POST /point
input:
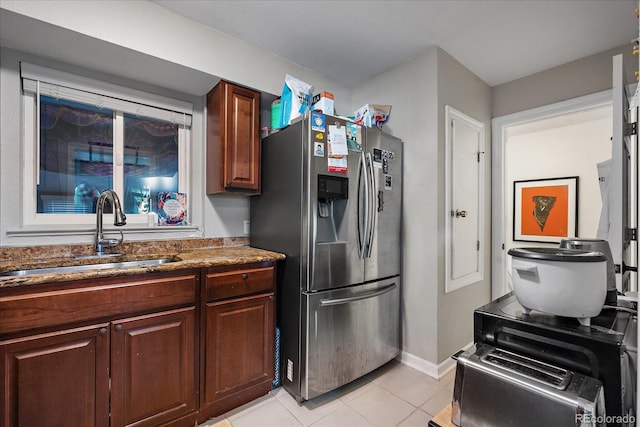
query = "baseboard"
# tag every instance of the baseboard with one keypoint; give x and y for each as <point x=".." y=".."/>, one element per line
<point x="436" y="371"/>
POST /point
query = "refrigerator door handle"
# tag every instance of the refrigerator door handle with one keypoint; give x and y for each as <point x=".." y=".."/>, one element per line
<point x="371" y="208"/>
<point x="347" y="300"/>
<point x="362" y="227"/>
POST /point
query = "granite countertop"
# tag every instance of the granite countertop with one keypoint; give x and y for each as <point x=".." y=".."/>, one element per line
<point x="193" y="258"/>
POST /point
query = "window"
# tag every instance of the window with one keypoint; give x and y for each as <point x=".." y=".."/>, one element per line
<point x="76" y="156"/>
<point x="84" y="136"/>
<point x="150" y="162"/>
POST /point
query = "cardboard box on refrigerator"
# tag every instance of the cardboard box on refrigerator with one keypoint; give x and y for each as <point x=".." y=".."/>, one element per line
<point x="323" y="101"/>
<point x="372" y="115"/>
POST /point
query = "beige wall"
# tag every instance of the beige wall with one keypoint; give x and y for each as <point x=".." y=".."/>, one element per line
<point x="102" y="32"/>
<point x="411" y="89"/>
<point x="461" y="89"/>
<point x="581" y="77"/>
<point x="435" y="324"/>
<point x="547" y="149"/>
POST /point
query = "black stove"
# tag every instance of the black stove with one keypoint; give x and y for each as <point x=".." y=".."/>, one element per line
<point x="600" y="351"/>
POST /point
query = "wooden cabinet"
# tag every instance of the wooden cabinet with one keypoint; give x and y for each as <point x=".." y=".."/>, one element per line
<point x="147" y="350"/>
<point x="153" y="368"/>
<point x="233" y="140"/>
<point x="239" y="337"/>
<point x="56" y="379"/>
<point x="141" y="368"/>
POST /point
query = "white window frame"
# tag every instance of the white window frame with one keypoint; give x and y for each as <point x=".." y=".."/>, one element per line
<point x="37" y="80"/>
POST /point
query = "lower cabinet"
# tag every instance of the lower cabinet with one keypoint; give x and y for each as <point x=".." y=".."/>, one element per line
<point x="153" y="368"/>
<point x="62" y="378"/>
<point x="240" y="351"/>
<point x="150" y="350"/>
<point x="56" y="379"/>
<point x="136" y="368"/>
<point x="239" y="338"/>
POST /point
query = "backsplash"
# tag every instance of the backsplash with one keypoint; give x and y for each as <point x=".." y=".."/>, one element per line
<point x="141" y="247"/>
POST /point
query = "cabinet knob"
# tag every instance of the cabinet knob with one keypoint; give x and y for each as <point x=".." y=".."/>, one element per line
<point x="102" y="331"/>
<point x="119" y="327"/>
<point x="245" y="276"/>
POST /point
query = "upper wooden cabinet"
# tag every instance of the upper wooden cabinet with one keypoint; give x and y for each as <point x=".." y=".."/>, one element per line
<point x="233" y="140"/>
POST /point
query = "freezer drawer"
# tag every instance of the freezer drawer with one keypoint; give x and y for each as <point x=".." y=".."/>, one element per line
<point x="349" y="332"/>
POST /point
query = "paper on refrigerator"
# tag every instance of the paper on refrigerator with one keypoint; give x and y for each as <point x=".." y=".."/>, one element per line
<point x="337" y="141"/>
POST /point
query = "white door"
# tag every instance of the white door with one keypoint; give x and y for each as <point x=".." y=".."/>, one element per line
<point x="464" y="199"/>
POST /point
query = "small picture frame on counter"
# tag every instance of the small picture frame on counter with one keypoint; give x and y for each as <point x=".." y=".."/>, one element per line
<point x="172" y="208"/>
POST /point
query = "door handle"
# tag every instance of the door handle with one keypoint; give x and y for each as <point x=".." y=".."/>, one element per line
<point x="347" y="300"/>
<point x="460" y="213"/>
<point x="371" y="208"/>
<point x="362" y="226"/>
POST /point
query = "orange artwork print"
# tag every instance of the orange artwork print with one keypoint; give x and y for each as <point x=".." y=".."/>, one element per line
<point x="545" y="211"/>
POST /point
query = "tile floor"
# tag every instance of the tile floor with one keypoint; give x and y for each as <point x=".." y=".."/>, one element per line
<point x="393" y="395"/>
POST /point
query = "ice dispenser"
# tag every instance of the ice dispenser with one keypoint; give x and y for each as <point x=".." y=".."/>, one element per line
<point x="333" y="192"/>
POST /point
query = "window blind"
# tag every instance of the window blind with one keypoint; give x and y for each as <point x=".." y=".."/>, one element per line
<point x="62" y="85"/>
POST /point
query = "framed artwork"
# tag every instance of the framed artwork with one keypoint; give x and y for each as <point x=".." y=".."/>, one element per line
<point x="545" y="210"/>
<point x="172" y="208"/>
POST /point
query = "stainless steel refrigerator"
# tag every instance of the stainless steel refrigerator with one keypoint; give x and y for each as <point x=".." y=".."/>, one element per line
<point x="332" y="202"/>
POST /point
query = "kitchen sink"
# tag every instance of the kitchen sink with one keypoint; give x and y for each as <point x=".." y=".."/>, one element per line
<point x="98" y="256"/>
<point x="86" y="267"/>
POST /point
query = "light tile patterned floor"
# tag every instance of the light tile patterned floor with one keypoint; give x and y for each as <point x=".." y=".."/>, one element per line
<point x="394" y="395"/>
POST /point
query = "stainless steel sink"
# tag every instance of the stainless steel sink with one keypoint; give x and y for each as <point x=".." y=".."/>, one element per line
<point x="99" y="256"/>
<point x="85" y="267"/>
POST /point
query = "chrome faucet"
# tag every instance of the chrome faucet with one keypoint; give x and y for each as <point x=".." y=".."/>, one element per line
<point x="119" y="219"/>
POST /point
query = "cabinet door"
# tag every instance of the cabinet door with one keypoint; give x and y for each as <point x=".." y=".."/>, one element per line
<point x="233" y="140"/>
<point x="239" y="352"/>
<point x="242" y="139"/>
<point x="56" y="379"/>
<point x="153" y="368"/>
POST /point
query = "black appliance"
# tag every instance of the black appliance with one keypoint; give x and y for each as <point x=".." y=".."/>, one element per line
<point x="601" y="350"/>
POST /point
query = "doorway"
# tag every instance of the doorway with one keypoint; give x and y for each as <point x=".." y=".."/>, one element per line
<point x="565" y="139"/>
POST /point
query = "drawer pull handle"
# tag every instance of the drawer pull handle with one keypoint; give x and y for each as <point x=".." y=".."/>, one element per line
<point x="118" y="327"/>
<point x="245" y="276"/>
<point x="348" y="300"/>
<point x="102" y="331"/>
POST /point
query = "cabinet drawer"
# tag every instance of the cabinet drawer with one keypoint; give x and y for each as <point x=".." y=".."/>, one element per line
<point x="235" y="283"/>
<point x="71" y="302"/>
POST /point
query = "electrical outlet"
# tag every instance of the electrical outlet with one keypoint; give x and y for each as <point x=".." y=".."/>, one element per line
<point x="247" y="226"/>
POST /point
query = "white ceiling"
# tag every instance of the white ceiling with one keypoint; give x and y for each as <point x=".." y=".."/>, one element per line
<point x="352" y="41"/>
